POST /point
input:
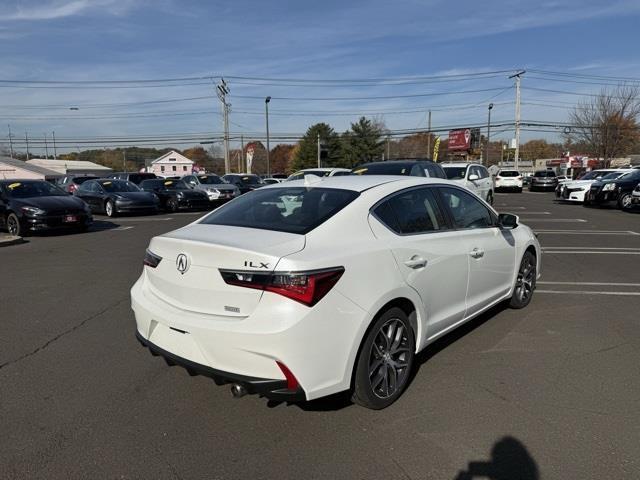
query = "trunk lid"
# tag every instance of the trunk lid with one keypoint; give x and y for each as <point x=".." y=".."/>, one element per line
<point x="208" y="248"/>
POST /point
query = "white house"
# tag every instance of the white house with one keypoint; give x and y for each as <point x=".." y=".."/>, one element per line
<point x="171" y="164"/>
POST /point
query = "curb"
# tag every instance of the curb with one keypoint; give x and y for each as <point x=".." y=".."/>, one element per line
<point x="8" y="240"/>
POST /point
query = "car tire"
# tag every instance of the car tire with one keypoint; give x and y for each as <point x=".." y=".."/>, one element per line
<point x="380" y="361"/>
<point x="519" y="190"/>
<point x="624" y="202"/>
<point x="110" y="208"/>
<point x="13" y="225"/>
<point x="525" y="282"/>
<point x="172" y="205"/>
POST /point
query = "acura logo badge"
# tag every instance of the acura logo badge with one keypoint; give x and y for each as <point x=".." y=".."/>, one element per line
<point x="182" y="263"/>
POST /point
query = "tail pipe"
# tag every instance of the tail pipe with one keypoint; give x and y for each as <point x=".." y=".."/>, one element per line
<point x="238" y="390"/>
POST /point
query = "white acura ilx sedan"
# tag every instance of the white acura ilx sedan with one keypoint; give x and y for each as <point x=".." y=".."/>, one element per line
<point x="307" y="288"/>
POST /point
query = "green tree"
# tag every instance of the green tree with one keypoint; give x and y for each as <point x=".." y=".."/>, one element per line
<point x="306" y="155"/>
<point x="363" y="143"/>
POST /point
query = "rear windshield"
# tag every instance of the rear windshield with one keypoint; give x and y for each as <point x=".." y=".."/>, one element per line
<point x="292" y="210"/>
<point x="211" y="179"/>
<point x="166" y="184"/>
<point x="543" y="174"/>
<point x="138" y="177"/>
<point x="508" y="173"/>
<point x="455" y="173"/>
<point x="81" y="180"/>
<point x="386" y="168"/>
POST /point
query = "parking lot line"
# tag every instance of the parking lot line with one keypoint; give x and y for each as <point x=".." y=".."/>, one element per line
<point x="536" y="213"/>
<point x="600" y="284"/>
<point x="589" y="292"/>
<point x="589" y="232"/>
<point x="557" y="220"/>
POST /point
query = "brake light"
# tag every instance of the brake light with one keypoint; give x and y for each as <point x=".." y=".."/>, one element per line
<point x="307" y="288"/>
<point x="151" y="259"/>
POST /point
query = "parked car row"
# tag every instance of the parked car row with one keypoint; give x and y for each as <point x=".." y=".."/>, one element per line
<point x="619" y="187"/>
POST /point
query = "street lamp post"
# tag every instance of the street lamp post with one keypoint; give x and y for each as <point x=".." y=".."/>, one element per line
<point x="488" y="134"/>
<point x="266" y="109"/>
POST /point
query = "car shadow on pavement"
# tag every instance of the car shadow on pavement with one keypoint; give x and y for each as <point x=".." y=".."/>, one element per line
<point x="510" y="460"/>
<point x="342" y="400"/>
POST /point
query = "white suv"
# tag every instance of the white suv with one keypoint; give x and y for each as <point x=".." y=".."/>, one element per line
<point x="509" y="180"/>
<point x="473" y="176"/>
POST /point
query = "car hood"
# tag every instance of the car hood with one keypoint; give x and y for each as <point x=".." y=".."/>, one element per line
<point x="135" y="196"/>
<point x="50" y="203"/>
<point x="579" y="183"/>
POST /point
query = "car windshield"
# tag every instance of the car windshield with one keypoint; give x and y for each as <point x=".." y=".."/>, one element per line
<point x="167" y="184"/>
<point x="292" y="210"/>
<point x="544" y="174"/>
<point x="509" y="173"/>
<point x="249" y="179"/>
<point x="385" y="168"/>
<point x="138" y="177"/>
<point x="211" y="179"/>
<point x="113" y="186"/>
<point x="455" y="173"/>
<point x="317" y="173"/>
<point x="592" y="175"/>
<point x="33" y="189"/>
<point x="613" y="175"/>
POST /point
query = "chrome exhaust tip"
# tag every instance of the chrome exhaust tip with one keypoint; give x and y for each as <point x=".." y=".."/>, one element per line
<point x="238" y="390"/>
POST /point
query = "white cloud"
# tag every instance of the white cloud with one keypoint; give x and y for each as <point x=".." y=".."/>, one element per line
<point x="28" y="11"/>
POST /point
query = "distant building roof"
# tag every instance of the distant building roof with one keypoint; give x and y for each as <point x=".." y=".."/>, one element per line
<point x="29" y="167"/>
<point x="65" y="166"/>
<point x="167" y="157"/>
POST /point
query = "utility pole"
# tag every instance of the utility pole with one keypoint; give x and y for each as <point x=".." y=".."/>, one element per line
<point x="486" y="156"/>
<point x="124" y="161"/>
<point x="242" y="168"/>
<point x="319" y="166"/>
<point x="429" y="137"/>
<point x="517" y="152"/>
<point x="26" y="137"/>
<point x="46" y="147"/>
<point x="266" y="106"/>
<point x="55" y="152"/>
<point x="223" y="91"/>
<point x="10" y="141"/>
<point x="388" y="147"/>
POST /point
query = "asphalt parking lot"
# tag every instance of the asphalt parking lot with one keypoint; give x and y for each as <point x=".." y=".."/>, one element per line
<point x="551" y="391"/>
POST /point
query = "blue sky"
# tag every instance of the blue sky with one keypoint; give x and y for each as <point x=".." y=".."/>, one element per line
<point x="74" y="40"/>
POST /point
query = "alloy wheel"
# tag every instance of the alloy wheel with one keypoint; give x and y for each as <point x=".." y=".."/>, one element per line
<point x="12" y="225"/>
<point x="526" y="279"/>
<point x="389" y="359"/>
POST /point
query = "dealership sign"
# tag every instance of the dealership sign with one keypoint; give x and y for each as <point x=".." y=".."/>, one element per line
<point x="464" y="139"/>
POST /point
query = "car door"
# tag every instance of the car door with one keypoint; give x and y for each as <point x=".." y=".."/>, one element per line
<point x="429" y="254"/>
<point x="4" y="205"/>
<point x="491" y="250"/>
<point x="486" y="181"/>
<point x="475" y="184"/>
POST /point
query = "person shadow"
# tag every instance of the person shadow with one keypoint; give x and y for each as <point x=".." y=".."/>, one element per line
<point x="509" y="460"/>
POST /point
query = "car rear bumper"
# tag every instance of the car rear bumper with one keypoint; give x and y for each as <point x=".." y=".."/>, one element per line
<point x="543" y="186"/>
<point x="274" y="389"/>
<point x="247" y="349"/>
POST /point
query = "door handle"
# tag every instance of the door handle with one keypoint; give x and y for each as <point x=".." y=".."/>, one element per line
<point x="477" y="253"/>
<point x="416" y="262"/>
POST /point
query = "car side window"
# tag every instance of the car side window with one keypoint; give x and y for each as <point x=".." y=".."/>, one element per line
<point x="412" y="212"/>
<point x="466" y="210"/>
<point x="482" y="172"/>
<point x="418" y="171"/>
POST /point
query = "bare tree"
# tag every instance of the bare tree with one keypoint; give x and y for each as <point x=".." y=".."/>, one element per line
<point x="607" y="123"/>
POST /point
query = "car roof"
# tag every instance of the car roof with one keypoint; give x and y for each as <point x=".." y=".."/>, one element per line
<point x="324" y="169"/>
<point x="395" y="162"/>
<point x="459" y="164"/>
<point x="20" y="180"/>
<point x="360" y="183"/>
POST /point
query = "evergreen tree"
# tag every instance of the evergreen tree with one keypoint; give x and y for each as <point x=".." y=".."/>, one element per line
<point x="363" y="143"/>
<point x="306" y="155"/>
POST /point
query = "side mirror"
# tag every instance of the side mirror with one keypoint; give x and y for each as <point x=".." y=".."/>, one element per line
<point x="508" y="221"/>
<point x="473" y="177"/>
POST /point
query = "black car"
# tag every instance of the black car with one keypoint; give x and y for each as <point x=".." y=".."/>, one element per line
<point x="246" y="182"/>
<point x="71" y="183"/>
<point x="112" y="197"/>
<point x="175" y="195"/>
<point x="133" y="177"/>
<point x="543" y="180"/>
<point x="33" y="205"/>
<point x="619" y="190"/>
<point x="414" y="168"/>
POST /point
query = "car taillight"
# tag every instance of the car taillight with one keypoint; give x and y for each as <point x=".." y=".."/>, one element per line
<point x="307" y="288"/>
<point x="151" y="259"/>
<point x="292" y="381"/>
<point x="72" y="187"/>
